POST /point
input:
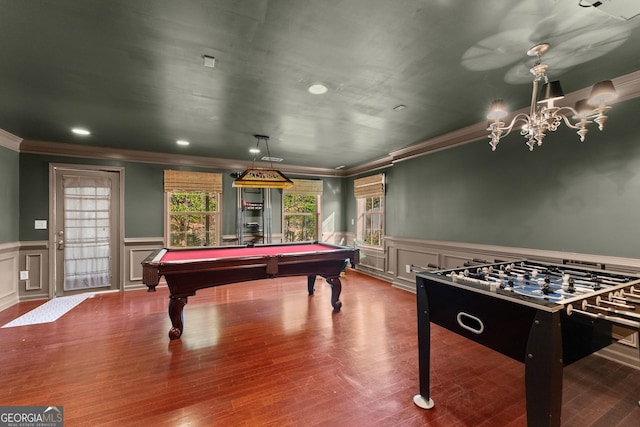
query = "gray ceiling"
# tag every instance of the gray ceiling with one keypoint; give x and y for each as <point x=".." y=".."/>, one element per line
<point x="132" y="71"/>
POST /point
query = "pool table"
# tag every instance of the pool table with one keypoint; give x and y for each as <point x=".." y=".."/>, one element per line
<point x="187" y="270"/>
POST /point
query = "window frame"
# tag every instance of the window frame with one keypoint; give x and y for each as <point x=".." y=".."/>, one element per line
<point x="365" y="189"/>
<point x="365" y="221"/>
<point x="217" y="219"/>
<point x="316" y="213"/>
<point x="178" y="181"/>
<point x="307" y="187"/>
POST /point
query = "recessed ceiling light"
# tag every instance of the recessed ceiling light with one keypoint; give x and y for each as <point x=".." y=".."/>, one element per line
<point x="318" y="89"/>
<point x="80" y="131"/>
<point x="340" y="167"/>
<point x="254" y="150"/>
<point x="182" y="142"/>
<point x="399" y="107"/>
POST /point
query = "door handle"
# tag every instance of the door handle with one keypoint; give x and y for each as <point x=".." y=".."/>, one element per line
<point x="60" y="242"/>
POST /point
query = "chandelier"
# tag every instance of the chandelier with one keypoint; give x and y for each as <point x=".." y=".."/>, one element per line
<point x="544" y="115"/>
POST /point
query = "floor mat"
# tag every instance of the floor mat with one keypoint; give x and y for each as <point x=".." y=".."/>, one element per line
<point x="50" y="311"/>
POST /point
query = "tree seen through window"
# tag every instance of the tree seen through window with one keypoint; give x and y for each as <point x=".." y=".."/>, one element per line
<point x="373" y="221"/>
<point x="300" y="217"/>
<point x="193" y="216"/>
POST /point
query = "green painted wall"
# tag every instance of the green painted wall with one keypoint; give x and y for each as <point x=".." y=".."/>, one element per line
<point x="9" y="195"/>
<point x="565" y="195"/>
<point x="349" y="202"/>
<point x="34" y="196"/>
<point x="143" y="196"/>
<point x="332" y="205"/>
<point x="144" y="200"/>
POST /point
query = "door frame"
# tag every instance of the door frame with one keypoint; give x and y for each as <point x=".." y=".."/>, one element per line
<point x="119" y="264"/>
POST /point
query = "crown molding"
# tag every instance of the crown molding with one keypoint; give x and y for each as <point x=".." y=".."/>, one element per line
<point x="372" y="166"/>
<point x="9" y="140"/>
<point x="119" y="154"/>
<point x="458" y="137"/>
<point x="627" y="86"/>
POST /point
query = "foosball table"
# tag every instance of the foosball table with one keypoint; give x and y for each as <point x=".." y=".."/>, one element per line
<point x="544" y="315"/>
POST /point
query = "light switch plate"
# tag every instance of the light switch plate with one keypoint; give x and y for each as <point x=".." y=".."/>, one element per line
<point x="40" y="224"/>
<point x="24" y="275"/>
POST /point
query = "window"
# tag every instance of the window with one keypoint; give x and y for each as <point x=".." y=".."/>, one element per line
<point x="193" y="219"/>
<point x="301" y="211"/>
<point x="193" y="208"/>
<point x="372" y="220"/>
<point x="369" y="193"/>
<point x="300" y="217"/>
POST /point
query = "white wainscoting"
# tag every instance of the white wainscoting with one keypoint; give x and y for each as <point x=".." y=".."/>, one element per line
<point x="8" y="274"/>
<point x="34" y="259"/>
<point x="136" y="250"/>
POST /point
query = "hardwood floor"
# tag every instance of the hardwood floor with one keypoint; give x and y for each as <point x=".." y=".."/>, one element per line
<point x="264" y="353"/>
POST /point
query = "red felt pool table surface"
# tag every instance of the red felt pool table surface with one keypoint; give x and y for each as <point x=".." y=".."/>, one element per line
<point x="222" y="252"/>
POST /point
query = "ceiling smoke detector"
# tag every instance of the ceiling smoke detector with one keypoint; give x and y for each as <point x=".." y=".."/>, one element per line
<point x="209" y="61"/>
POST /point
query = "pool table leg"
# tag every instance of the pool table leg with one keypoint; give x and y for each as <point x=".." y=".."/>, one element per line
<point x="176" y="306"/>
<point x="336" y="289"/>
<point x="311" y="283"/>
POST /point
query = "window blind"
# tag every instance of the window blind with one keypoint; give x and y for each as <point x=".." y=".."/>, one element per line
<point x="192" y="181"/>
<point x="369" y="186"/>
<point x="305" y="186"/>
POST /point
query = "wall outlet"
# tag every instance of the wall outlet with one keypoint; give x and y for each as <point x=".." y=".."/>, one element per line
<point x="24" y="275"/>
<point x="408" y="267"/>
<point x="353" y="221"/>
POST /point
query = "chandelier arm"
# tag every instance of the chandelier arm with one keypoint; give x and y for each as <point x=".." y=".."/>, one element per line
<point x="506" y="130"/>
<point x="580" y="125"/>
<point x="565" y="117"/>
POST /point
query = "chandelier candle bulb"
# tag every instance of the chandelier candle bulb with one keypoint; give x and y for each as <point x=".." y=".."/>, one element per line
<point x="583" y="109"/>
<point x="602" y="93"/>
<point x="497" y="110"/>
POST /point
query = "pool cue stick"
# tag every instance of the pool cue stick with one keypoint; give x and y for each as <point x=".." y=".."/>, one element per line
<point x="612" y="319"/>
